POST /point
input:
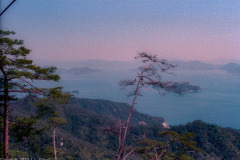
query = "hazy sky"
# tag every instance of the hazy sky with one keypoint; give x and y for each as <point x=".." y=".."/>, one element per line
<point x="117" y="29"/>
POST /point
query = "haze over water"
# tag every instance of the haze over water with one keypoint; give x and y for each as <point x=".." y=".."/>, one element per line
<point x="217" y="103"/>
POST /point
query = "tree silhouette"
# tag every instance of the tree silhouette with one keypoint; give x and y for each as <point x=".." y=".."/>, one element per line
<point x="150" y="75"/>
<point x="18" y="75"/>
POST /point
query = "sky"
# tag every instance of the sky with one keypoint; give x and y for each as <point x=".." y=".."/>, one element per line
<point x="115" y="30"/>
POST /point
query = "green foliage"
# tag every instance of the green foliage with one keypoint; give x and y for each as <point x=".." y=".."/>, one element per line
<point x="69" y="158"/>
<point x="18" y="154"/>
<point x="214" y="141"/>
<point x="172" y="145"/>
<point x="24" y="127"/>
<point x="44" y="110"/>
<point x="17" y="74"/>
<point x="184" y="140"/>
<point x="83" y="136"/>
<point x="46" y="106"/>
<point x="55" y="96"/>
<point x="57" y="121"/>
<point x="48" y="153"/>
<point x="15" y="65"/>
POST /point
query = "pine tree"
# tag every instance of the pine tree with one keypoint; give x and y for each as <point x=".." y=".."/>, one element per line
<point x="17" y="76"/>
<point x="175" y="146"/>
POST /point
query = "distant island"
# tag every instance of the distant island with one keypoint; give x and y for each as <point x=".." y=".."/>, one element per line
<point x="194" y="65"/>
<point x="72" y="91"/>
<point x="78" y="71"/>
<point x="182" y="87"/>
<point x="87" y="67"/>
<point x="232" y="68"/>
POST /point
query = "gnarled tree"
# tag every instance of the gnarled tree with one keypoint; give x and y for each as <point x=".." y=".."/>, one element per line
<point x="150" y="75"/>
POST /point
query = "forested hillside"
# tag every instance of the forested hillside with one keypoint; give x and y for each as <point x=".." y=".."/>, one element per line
<point x="216" y="142"/>
<point x="84" y="135"/>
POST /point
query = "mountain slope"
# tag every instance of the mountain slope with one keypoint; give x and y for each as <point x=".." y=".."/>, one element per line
<point x="83" y="136"/>
<point x="217" y="143"/>
<point x="114" y="110"/>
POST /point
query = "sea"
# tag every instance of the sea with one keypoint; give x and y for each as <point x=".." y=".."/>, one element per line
<point x="218" y="102"/>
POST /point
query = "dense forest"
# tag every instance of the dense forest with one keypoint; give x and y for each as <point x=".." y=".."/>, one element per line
<point x="84" y="136"/>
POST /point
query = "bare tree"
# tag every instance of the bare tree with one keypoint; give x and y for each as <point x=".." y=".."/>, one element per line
<point x="149" y="76"/>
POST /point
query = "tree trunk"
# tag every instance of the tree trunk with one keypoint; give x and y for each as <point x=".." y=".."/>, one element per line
<point x="6" y="129"/>
<point x="54" y="144"/>
<point x="6" y="138"/>
<point x="121" y="145"/>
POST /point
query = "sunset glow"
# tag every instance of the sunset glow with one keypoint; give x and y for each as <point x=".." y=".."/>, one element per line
<point x="116" y="30"/>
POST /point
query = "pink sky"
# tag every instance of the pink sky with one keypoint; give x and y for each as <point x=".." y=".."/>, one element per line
<point x="70" y="30"/>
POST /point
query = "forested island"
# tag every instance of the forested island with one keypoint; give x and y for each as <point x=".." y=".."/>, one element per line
<point x="182" y="87"/>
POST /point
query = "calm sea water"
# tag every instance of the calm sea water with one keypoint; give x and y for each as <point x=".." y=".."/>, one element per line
<point x="217" y="103"/>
